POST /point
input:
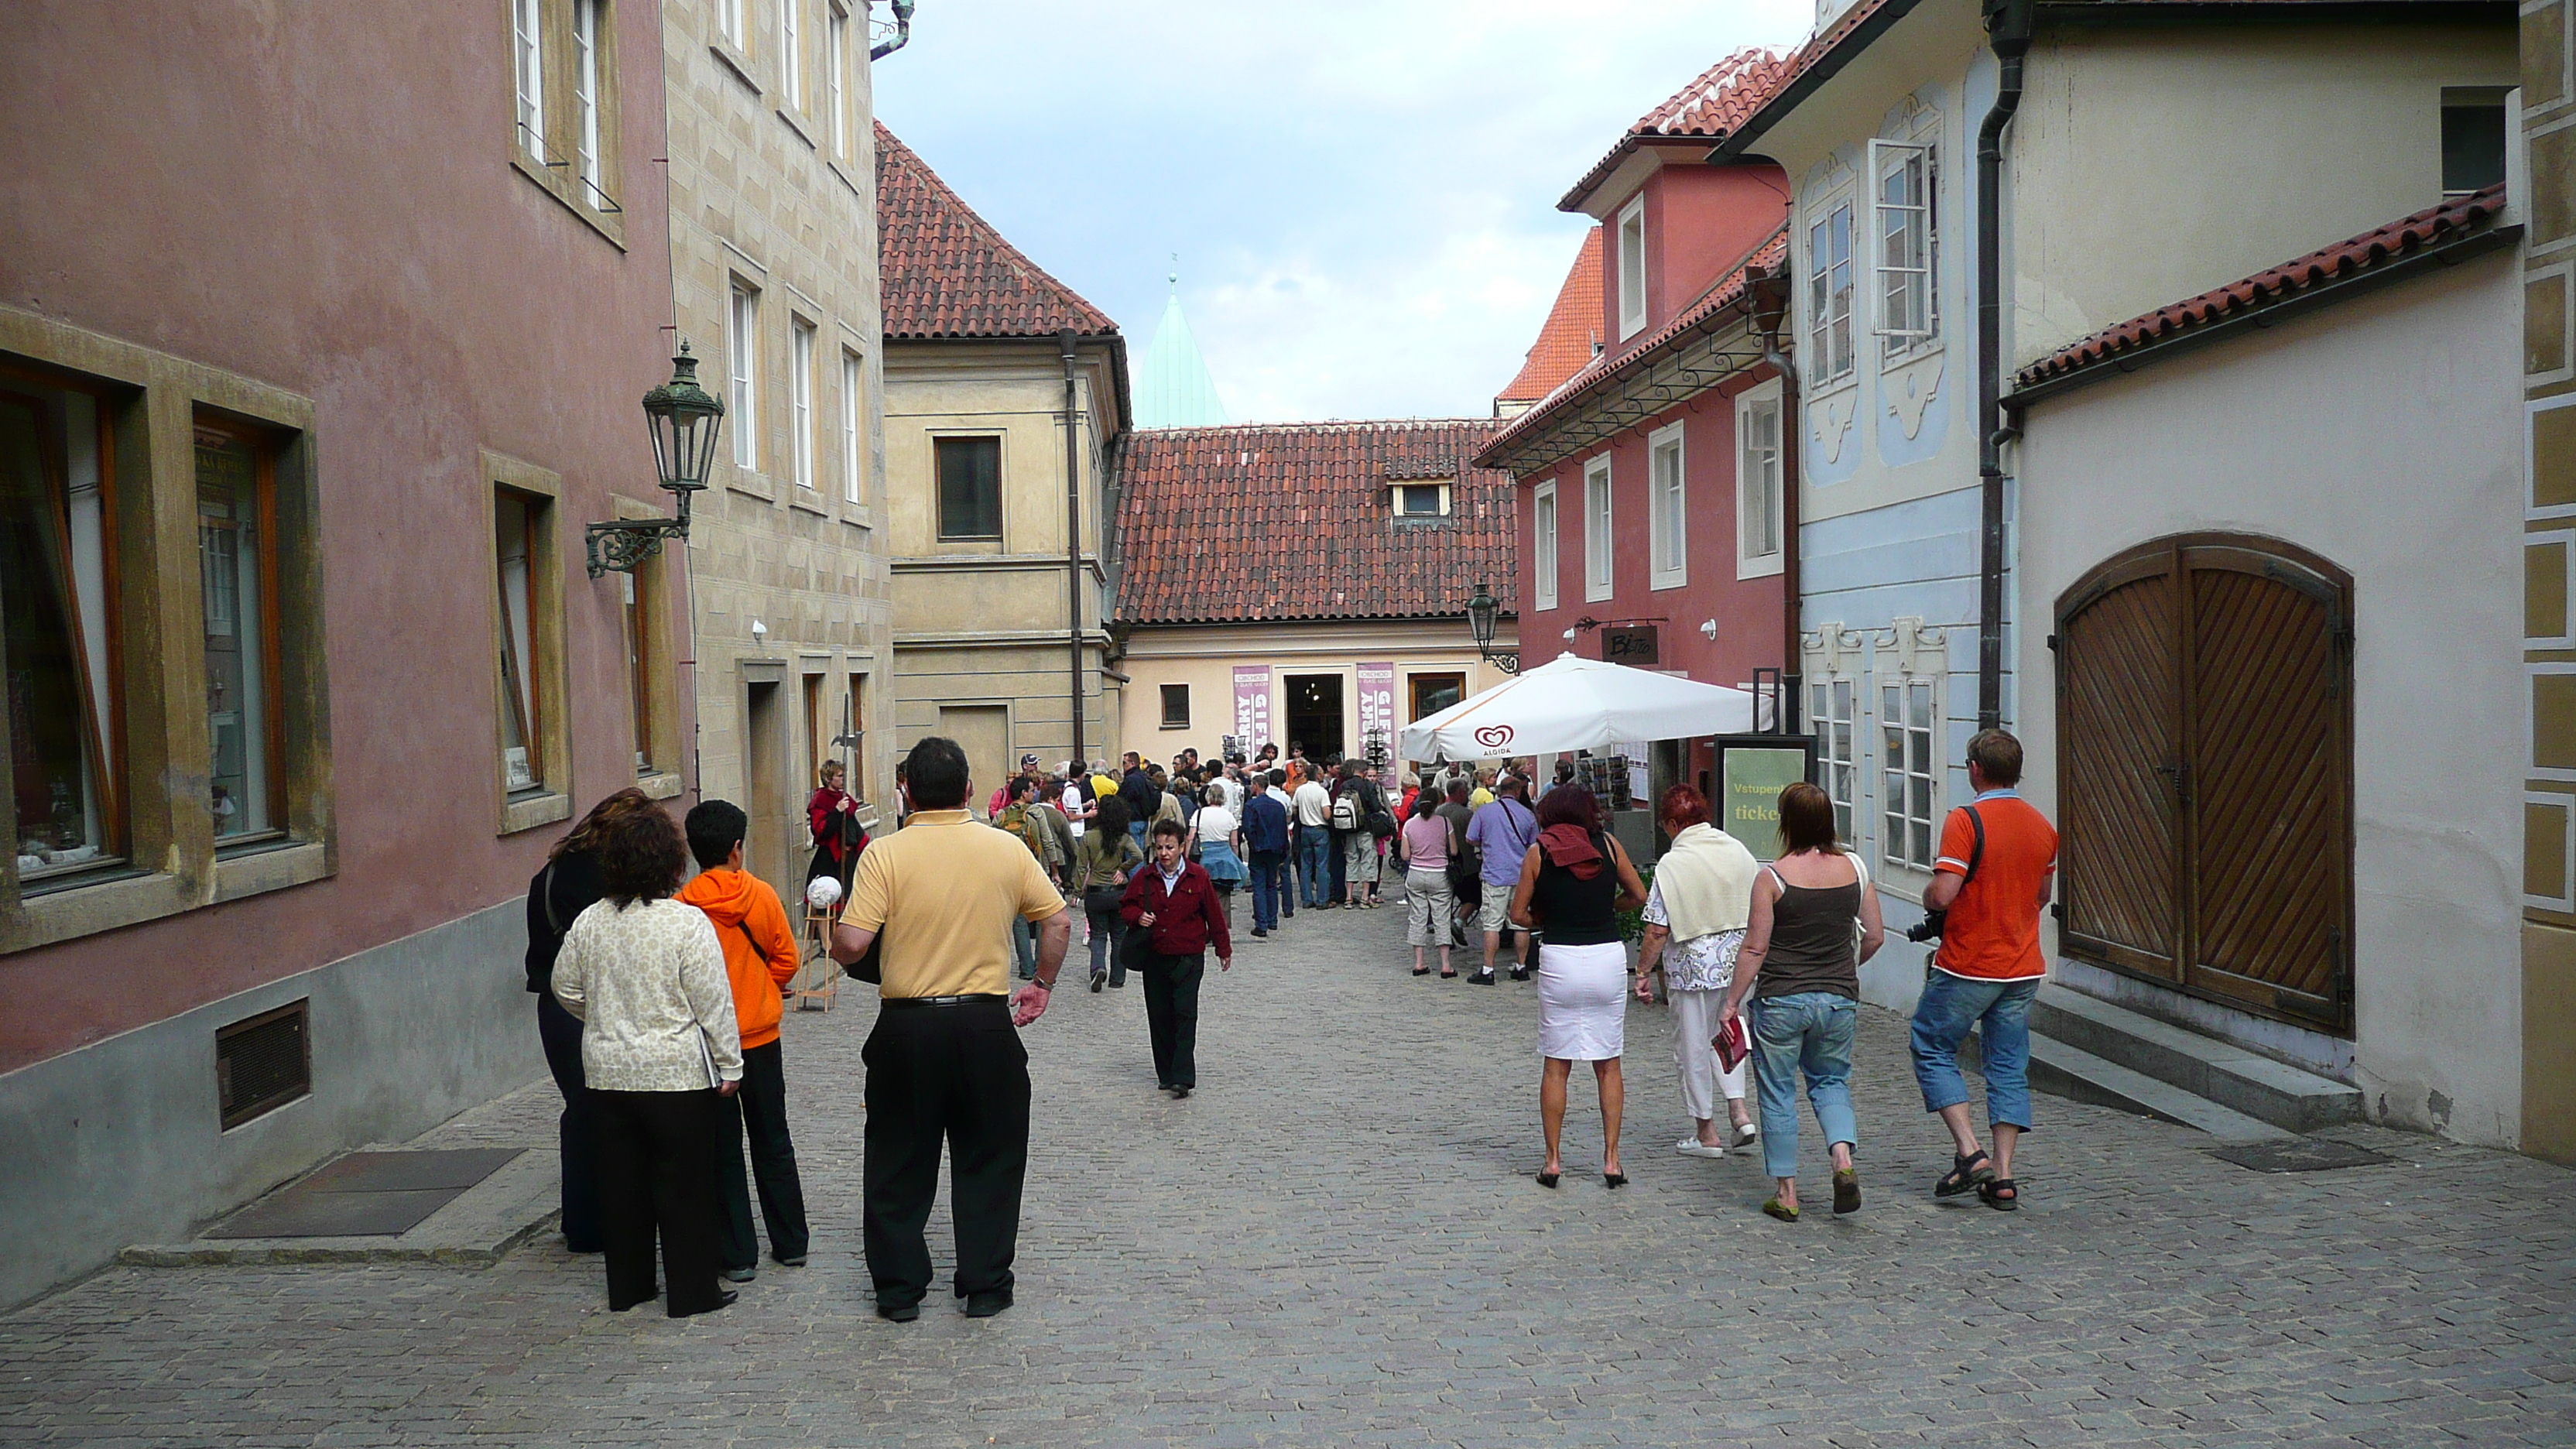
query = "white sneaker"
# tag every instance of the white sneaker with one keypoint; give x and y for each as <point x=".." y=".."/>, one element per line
<point x="1693" y="1147"/>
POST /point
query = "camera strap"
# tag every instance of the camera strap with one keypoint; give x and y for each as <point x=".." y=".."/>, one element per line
<point x="1977" y="852"/>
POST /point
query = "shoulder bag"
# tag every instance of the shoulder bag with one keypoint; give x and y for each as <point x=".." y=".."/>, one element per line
<point x="870" y="967"/>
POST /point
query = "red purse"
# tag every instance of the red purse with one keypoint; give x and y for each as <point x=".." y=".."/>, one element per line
<point x="1731" y="1046"/>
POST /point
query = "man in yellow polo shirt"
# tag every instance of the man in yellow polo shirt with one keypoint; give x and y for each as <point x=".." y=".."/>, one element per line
<point x="943" y="1064"/>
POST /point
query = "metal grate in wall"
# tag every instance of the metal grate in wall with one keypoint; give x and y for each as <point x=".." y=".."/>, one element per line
<point x="263" y="1062"/>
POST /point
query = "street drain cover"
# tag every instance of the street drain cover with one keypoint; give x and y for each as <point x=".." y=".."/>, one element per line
<point x="367" y="1194"/>
<point x="2299" y="1154"/>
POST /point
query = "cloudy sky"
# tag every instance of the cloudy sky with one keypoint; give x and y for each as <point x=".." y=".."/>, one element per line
<point x="1363" y="195"/>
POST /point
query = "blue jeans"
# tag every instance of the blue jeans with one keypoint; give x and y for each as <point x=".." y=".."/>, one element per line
<point x="1108" y="928"/>
<point x="2000" y="1010"/>
<point x="1810" y="1031"/>
<point x="1136" y="831"/>
<point x="1266" y="883"/>
<point x="1314" y="863"/>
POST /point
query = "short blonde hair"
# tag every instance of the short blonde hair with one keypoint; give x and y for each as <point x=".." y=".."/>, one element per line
<point x="823" y="774"/>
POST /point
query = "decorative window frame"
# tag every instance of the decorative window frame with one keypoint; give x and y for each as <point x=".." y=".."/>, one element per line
<point x="1838" y="191"/>
<point x="1665" y="572"/>
<point x="1632" y="272"/>
<point x="1544" y="544"/>
<point x="151" y="402"/>
<point x="1603" y="522"/>
<point x="1913" y="131"/>
<point x="1907" y="656"/>
<point x="1748" y="564"/>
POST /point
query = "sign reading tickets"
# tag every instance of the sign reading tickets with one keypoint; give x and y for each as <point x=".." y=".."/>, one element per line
<point x="1750" y="779"/>
<point x="1377" y="712"/>
<point x="1252" y="705"/>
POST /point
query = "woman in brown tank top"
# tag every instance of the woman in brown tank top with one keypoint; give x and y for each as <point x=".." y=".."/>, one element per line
<point x="1801" y="965"/>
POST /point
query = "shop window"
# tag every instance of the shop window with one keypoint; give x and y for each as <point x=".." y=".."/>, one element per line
<point x="1909" y="775"/>
<point x="970" y="489"/>
<point x="58" y="640"/>
<point x="237" y="573"/>
<point x="1433" y="693"/>
<point x="1176" y="706"/>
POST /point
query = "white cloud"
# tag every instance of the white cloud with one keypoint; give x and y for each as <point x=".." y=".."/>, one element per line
<point x="1363" y="194"/>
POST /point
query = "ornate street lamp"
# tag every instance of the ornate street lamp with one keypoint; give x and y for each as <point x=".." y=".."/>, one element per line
<point x="684" y="421"/>
<point x="1480" y="622"/>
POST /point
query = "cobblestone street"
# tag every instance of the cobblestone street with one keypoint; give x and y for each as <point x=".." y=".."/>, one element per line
<point x="1338" y="1241"/>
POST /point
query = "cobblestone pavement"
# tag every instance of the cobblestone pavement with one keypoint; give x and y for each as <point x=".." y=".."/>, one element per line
<point x="1338" y="1241"/>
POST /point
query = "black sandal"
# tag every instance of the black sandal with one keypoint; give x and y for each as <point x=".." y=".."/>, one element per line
<point x="1965" y="1173"/>
<point x="1421" y="970"/>
<point x="2000" y="1193"/>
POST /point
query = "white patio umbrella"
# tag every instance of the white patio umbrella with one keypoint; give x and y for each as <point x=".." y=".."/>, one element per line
<point x="1577" y="704"/>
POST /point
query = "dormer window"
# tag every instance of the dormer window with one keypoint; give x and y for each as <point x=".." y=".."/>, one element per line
<point x="1632" y="268"/>
<point x="1419" y="501"/>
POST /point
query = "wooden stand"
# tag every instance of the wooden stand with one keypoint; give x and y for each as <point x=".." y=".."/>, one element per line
<point x="819" y="979"/>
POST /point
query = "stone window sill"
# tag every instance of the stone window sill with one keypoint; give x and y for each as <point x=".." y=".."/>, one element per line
<point x="527" y="812"/>
<point x="804" y="501"/>
<point x="750" y="484"/>
<point x="558" y="183"/>
<point x="803" y="128"/>
<point x="737" y="62"/>
<point x="661" y="785"/>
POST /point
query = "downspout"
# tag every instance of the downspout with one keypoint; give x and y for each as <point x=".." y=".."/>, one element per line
<point x="1073" y="534"/>
<point x="902" y="32"/>
<point x="1771" y="310"/>
<point x="2008" y="34"/>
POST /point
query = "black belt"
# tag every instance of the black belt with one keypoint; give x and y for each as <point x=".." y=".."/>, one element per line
<point x="892" y="1002"/>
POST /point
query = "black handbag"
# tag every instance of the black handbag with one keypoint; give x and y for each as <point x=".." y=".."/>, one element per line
<point x="870" y="967"/>
<point x="1136" y="948"/>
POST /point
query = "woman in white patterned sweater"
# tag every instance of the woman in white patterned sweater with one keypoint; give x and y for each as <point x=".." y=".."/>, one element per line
<point x="659" y="1048"/>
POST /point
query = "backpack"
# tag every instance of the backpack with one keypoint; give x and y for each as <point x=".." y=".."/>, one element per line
<point x="1346" y="807"/>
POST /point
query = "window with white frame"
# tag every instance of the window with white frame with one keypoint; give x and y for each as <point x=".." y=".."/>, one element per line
<point x="729" y="21"/>
<point x="836" y="62"/>
<point x="850" y="427"/>
<point x="528" y="59"/>
<point x="1909" y="780"/>
<point x="1760" y="485"/>
<point x="1833" y="711"/>
<point x="1668" y="513"/>
<point x="585" y="101"/>
<point x="800" y="392"/>
<point x="791" y="55"/>
<point x="1829" y="295"/>
<point x="1543" y="545"/>
<point x="1597" y="556"/>
<point x="1632" y="267"/>
<point x="1419" y="500"/>
<point x="742" y="381"/>
<point x="1909" y="310"/>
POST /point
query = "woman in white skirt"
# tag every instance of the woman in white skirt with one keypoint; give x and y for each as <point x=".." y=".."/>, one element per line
<point x="1695" y="919"/>
<point x="1574" y="882"/>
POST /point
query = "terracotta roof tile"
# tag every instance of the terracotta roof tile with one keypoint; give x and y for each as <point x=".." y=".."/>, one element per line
<point x="946" y="272"/>
<point x="2276" y="285"/>
<point x="1293" y="521"/>
<point x="1728" y="291"/>
<point x="1710" y="106"/>
<point x="1573" y="329"/>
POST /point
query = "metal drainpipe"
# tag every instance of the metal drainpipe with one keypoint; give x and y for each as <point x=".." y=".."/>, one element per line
<point x="2008" y="34"/>
<point x="1073" y="532"/>
<point x="902" y="32"/>
<point x="1787" y="721"/>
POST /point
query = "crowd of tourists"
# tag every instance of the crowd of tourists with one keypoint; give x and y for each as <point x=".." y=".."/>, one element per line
<point x="660" y="988"/>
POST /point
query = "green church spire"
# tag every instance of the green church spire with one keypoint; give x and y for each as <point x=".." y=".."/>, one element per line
<point x="1173" y="389"/>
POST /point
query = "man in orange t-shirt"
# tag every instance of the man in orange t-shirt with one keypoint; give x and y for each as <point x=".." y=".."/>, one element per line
<point x="1998" y="862"/>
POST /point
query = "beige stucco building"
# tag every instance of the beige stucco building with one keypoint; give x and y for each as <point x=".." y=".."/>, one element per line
<point x="1306" y="583"/>
<point x="773" y="247"/>
<point x="1006" y="395"/>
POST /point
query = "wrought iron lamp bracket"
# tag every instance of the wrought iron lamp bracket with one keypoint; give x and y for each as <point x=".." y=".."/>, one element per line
<point x="619" y="546"/>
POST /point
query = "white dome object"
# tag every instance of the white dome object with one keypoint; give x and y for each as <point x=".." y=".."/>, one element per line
<point x="822" y="892"/>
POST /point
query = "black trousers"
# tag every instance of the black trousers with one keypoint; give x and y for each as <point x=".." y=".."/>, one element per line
<point x="657" y="1177"/>
<point x="760" y="1106"/>
<point x="953" y="1075"/>
<point x="1172" y="1016"/>
<point x="575" y="1136"/>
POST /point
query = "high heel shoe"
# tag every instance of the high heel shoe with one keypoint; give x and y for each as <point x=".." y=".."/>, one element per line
<point x="1614" y="1179"/>
<point x="1547" y="1179"/>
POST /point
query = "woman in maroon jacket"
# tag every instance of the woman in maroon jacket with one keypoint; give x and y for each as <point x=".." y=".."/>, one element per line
<point x="1177" y="903"/>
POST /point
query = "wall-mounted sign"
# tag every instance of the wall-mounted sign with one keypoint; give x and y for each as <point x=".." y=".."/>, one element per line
<point x="1630" y="644"/>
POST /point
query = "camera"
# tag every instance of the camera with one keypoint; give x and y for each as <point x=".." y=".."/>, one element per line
<point x="1929" y="928"/>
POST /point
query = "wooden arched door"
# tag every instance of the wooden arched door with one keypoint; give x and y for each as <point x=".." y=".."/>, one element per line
<point x="2205" y="773"/>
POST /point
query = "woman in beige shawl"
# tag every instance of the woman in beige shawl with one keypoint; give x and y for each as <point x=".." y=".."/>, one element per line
<point x="1695" y="921"/>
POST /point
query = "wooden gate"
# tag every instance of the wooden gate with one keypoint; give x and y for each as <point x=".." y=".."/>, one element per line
<point x="2205" y="773"/>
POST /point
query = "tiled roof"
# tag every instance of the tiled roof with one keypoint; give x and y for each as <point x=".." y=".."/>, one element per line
<point x="2277" y="285"/>
<point x="1604" y="370"/>
<point x="1294" y="521"/>
<point x="1709" y="107"/>
<point x="1566" y="343"/>
<point x="945" y="272"/>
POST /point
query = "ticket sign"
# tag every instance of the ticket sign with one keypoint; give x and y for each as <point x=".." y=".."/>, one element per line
<point x="1752" y="770"/>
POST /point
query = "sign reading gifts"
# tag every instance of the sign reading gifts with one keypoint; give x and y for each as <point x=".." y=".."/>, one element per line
<point x="1377" y="714"/>
<point x="1252" y="705"/>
